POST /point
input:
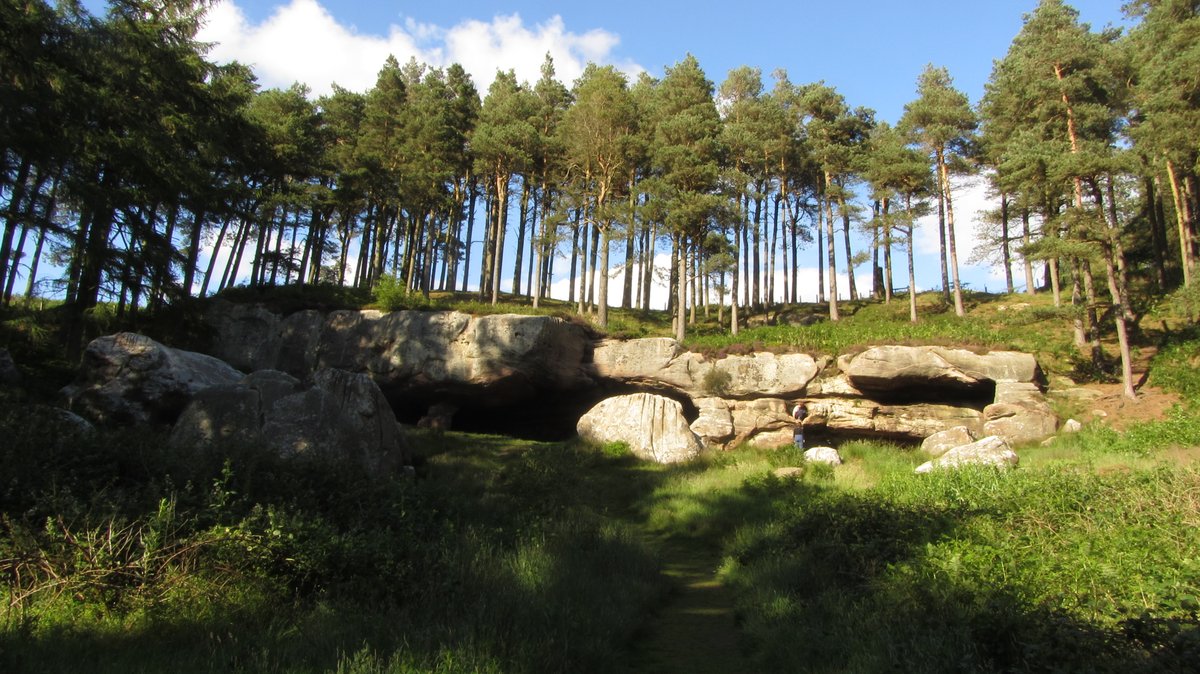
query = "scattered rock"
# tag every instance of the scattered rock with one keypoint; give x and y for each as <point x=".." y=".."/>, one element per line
<point x="990" y="451"/>
<point x="128" y="378"/>
<point x="826" y="455"/>
<point x="653" y="426"/>
<point x="943" y="441"/>
<point x="788" y="472"/>
<point x="1071" y="426"/>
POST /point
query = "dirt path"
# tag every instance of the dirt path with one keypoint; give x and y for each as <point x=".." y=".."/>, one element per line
<point x="694" y="631"/>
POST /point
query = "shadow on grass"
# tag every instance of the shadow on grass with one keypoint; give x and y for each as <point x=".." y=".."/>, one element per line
<point x="833" y="580"/>
<point x="500" y="556"/>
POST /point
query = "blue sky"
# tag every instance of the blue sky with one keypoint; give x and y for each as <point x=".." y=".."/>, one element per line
<point x="871" y="50"/>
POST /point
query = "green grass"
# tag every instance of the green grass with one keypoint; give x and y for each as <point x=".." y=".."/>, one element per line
<point x="511" y="556"/>
<point x="501" y="556"/>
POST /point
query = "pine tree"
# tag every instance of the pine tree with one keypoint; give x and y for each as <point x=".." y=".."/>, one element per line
<point x="941" y="121"/>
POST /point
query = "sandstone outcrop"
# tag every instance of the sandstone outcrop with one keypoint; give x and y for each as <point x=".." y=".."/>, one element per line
<point x="662" y="362"/>
<point x="1020" y="414"/>
<point x="417" y="353"/>
<point x="128" y="378"/>
<point x="911" y="423"/>
<point x="431" y="362"/>
<point x="653" y="426"/>
<point x="889" y="368"/>
<point x="338" y="416"/>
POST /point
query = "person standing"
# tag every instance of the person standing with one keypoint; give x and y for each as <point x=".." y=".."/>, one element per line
<point x="799" y="412"/>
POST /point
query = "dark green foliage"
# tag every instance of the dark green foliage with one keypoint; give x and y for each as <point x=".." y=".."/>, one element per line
<point x="496" y="556"/>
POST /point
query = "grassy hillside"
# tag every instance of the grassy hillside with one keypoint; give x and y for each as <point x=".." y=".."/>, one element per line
<point x="510" y="556"/>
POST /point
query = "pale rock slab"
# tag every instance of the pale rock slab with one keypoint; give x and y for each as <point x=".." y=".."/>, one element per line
<point x="653" y="426"/>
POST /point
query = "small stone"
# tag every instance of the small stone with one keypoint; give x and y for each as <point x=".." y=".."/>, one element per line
<point x="827" y="455"/>
<point x="1072" y="426"/>
<point x="788" y="472"/>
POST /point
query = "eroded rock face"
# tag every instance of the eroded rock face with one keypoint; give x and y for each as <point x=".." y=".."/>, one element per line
<point x="891" y="368"/>
<point x="653" y="426"/>
<point x="416" y="353"/>
<point x="990" y="451"/>
<point x="906" y="422"/>
<point x="661" y="362"/>
<point x="128" y="378"/>
<point x="1020" y="414"/>
<point x="714" y="425"/>
<point x="339" y="417"/>
<point x="494" y="367"/>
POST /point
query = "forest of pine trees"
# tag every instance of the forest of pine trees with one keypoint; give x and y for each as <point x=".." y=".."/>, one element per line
<point x="124" y="154"/>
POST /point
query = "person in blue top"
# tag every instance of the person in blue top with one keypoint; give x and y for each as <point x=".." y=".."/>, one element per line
<point x="798" y="413"/>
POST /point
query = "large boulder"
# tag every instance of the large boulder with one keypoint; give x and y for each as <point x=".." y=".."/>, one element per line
<point x="941" y="442"/>
<point x="893" y="368"/>
<point x="714" y="425"/>
<point x="1020" y="414"/>
<point x="129" y="378"/>
<point x="826" y="455"/>
<point x="338" y="416"/>
<point x="653" y="426"/>
<point x="763" y="423"/>
<point x="660" y="362"/>
<point x="990" y="451"/>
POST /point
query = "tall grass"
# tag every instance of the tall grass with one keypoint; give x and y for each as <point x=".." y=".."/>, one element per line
<point x="501" y="556"/>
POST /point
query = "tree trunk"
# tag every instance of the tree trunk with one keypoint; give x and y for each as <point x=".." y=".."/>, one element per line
<point x="1184" y="220"/>
<point x="472" y="198"/>
<point x="602" y="299"/>
<point x="499" y="231"/>
<point x="830" y="255"/>
<point x="846" y="240"/>
<point x="888" y="288"/>
<point x="521" y="227"/>
<point x="648" y="249"/>
<point x="941" y="199"/>
<point x="681" y="301"/>
<point x="11" y="218"/>
<point x="756" y="241"/>
<point x="1026" y="238"/>
<point x="1006" y="250"/>
<point x="630" y="236"/>
<point x="944" y="172"/>
<point x="912" y="274"/>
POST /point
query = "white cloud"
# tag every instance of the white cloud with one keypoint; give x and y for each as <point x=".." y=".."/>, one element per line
<point x="303" y="42"/>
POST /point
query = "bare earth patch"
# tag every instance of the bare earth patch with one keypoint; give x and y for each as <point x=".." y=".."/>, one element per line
<point x="1120" y="412"/>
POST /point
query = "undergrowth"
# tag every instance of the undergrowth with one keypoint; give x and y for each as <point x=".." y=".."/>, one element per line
<point x="122" y="553"/>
